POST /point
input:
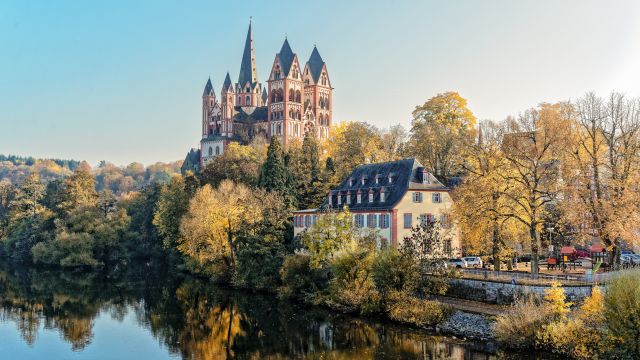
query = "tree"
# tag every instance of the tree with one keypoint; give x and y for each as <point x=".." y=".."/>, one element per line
<point x="602" y="160"/>
<point x="216" y="219"/>
<point x="352" y="144"/>
<point x="239" y="163"/>
<point x="532" y="152"/>
<point x="79" y="190"/>
<point x="393" y="143"/>
<point x="332" y="231"/>
<point x="26" y="202"/>
<point x="440" y="127"/>
<point x="274" y="175"/>
<point x="7" y="192"/>
<point x="172" y="205"/>
<point x="307" y="173"/>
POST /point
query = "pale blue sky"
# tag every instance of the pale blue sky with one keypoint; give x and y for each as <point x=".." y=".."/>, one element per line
<point x="122" y="80"/>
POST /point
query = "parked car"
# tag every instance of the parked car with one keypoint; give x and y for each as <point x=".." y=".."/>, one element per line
<point x="625" y="259"/>
<point x="473" y="261"/>
<point x="457" y="263"/>
<point x="626" y="252"/>
<point x="635" y="259"/>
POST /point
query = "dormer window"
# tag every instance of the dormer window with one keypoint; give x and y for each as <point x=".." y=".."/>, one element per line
<point x="377" y="179"/>
<point x="350" y="181"/>
<point x="348" y="200"/>
<point x="329" y="199"/>
<point x="370" y="195"/>
<point x="358" y="197"/>
<point x="383" y="194"/>
<point x="391" y="178"/>
<point x="425" y="177"/>
<point x="339" y="198"/>
<point x="364" y="179"/>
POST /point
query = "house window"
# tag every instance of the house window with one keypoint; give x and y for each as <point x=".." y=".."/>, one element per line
<point x="359" y="220"/>
<point x="248" y="100"/>
<point x="307" y="221"/>
<point x="423" y="219"/>
<point x="436" y="198"/>
<point x="384" y="221"/>
<point x="358" y="197"/>
<point x="444" y="221"/>
<point x="371" y="196"/>
<point x="364" y="179"/>
<point x="425" y="177"/>
<point x="417" y="197"/>
<point x="371" y="220"/>
<point x="348" y="199"/>
<point x="217" y="150"/>
<point x="339" y="198"/>
<point x="377" y="179"/>
<point x="408" y="221"/>
<point x="350" y="181"/>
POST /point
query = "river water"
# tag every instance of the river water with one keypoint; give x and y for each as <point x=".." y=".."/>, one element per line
<point x="146" y="313"/>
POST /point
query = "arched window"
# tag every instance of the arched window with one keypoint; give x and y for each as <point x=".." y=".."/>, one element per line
<point x="217" y="150"/>
<point x="210" y="151"/>
<point x="298" y="96"/>
<point x="273" y="96"/>
<point x="248" y="89"/>
<point x="291" y="95"/>
<point x="248" y="100"/>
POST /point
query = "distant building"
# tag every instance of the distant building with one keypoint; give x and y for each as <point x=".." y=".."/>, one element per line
<point x="294" y="102"/>
<point x="391" y="197"/>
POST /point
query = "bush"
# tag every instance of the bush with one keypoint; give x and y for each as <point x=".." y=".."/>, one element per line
<point x="299" y="279"/>
<point x="258" y="264"/>
<point x="411" y="310"/>
<point x="352" y="287"/>
<point x="518" y="327"/>
<point x="393" y="272"/>
<point x="622" y="314"/>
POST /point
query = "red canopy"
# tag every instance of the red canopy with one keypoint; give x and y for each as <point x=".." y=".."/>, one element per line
<point x="567" y="250"/>
<point x="597" y="248"/>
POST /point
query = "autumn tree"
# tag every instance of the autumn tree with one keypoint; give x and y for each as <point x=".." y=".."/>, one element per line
<point x="239" y="163"/>
<point x="440" y="127"/>
<point x="533" y="151"/>
<point x="352" y="144"/>
<point x="602" y="170"/>
<point x="171" y="206"/>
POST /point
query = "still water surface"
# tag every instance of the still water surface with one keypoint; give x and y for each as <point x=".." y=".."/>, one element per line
<point x="147" y="314"/>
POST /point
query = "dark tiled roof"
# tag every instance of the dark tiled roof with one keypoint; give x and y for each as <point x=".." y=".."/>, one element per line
<point x="286" y="57"/>
<point x="227" y="83"/>
<point x="191" y="161"/>
<point x="248" y="71"/>
<point x="259" y="114"/>
<point x="406" y="175"/>
<point x="315" y="64"/>
<point x="208" y="88"/>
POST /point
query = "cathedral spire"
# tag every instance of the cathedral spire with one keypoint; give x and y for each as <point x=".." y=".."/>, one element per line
<point x="227" y="83"/>
<point x="248" y="71"/>
<point x="208" y="88"/>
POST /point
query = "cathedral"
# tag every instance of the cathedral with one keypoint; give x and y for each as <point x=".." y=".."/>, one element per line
<point x="295" y="101"/>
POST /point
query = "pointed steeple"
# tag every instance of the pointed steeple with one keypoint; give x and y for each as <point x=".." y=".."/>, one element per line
<point x="286" y="57"/>
<point x="208" y="88"/>
<point x="265" y="96"/>
<point x="315" y="64"/>
<point x="227" y="83"/>
<point x="248" y="72"/>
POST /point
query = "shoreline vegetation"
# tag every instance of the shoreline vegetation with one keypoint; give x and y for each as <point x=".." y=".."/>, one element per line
<point x="232" y="223"/>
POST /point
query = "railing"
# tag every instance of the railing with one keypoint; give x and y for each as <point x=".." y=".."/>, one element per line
<point x="509" y="276"/>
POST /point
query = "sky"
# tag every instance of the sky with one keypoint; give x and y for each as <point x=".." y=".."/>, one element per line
<point x="122" y="80"/>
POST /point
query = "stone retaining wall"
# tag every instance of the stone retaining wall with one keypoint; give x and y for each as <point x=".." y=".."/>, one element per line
<point x="505" y="293"/>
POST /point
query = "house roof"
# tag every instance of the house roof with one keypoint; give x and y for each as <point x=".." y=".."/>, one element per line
<point x="315" y="64"/>
<point x="286" y="57"/>
<point x="405" y="175"/>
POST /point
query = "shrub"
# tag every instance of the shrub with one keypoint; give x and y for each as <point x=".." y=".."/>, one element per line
<point x="392" y="271"/>
<point x="352" y="287"/>
<point x="299" y="279"/>
<point x="518" y="327"/>
<point x="258" y="264"/>
<point x="556" y="300"/>
<point x="411" y="310"/>
<point x="622" y="314"/>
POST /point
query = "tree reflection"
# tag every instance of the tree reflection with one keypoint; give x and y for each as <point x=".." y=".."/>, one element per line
<point x="198" y="320"/>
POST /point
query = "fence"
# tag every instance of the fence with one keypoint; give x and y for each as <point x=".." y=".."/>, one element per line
<point x="564" y="278"/>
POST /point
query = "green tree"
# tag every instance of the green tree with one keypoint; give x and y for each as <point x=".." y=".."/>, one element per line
<point x="172" y="205"/>
<point x="79" y="190"/>
<point x="274" y="175"/>
<point x="239" y="163"/>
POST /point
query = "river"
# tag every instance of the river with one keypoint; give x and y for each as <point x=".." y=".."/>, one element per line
<point x="151" y="313"/>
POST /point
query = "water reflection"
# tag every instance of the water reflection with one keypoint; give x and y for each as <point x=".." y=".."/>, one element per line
<point x="195" y="320"/>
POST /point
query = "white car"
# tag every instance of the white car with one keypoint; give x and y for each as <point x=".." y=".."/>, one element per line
<point x="473" y="261"/>
<point x="457" y="263"/>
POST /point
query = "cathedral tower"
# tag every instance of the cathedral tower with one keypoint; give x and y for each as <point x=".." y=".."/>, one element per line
<point x="227" y="106"/>
<point x="248" y="90"/>
<point x="318" y="93"/>
<point x="208" y="102"/>
<point x="286" y="89"/>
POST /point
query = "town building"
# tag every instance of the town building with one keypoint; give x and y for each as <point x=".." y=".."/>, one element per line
<point x="295" y="101"/>
<point x="391" y="197"/>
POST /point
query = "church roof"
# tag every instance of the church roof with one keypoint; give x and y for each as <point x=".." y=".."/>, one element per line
<point x="208" y="88"/>
<point x="265" y="96"/>
<point x="191" y="161"/>
<point x="227" y="83"/>
<point x="286" y="57"/>
<point x="243" y="115"/>
<point x="406" y="175"/>
<point x="248" y="71"/>
<point x="315" y="64"/>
